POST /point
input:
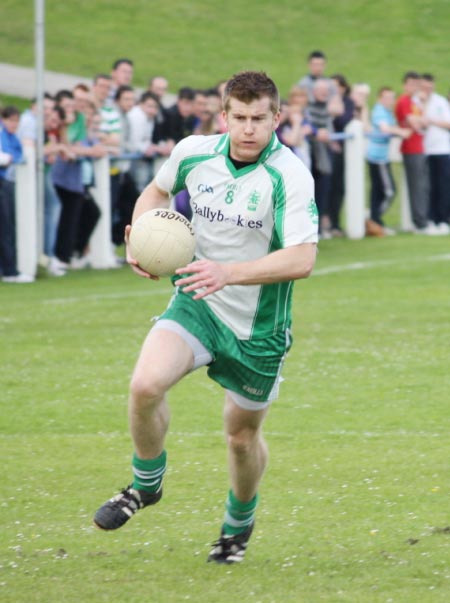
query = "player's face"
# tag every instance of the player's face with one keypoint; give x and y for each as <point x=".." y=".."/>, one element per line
<point x="250" y="127"/>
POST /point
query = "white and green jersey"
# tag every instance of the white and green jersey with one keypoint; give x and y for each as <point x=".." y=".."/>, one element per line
<point x="241" y="215"/>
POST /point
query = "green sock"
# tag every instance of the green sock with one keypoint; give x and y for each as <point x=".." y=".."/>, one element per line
<point x="238" y="515"/>
<point x="148" y="474"/>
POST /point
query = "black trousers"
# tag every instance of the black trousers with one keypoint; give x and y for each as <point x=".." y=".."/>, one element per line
<point x="69" y="222"/>
<point x="89" y="216"/>
<point x="382" y="191"/>
<point x="7" y="228"/>
<point x="337" y="190"/>
<point x="439" y="170"/>
<point x="127" y="195"/>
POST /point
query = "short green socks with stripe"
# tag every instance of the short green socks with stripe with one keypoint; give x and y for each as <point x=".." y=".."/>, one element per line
<point x="238" y="515"/>
<point x="148" y="474"/>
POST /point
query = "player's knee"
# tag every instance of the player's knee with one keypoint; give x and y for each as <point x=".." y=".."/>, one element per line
<point x="242" y="442"/>
<point x="146" y="390"/>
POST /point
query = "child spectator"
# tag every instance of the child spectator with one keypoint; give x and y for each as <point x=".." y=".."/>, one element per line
<point x="383" y="187"/>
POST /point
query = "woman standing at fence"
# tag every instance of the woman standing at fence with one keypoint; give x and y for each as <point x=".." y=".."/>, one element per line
<point x="68" y="180"/>
<point x="340" y="122"/>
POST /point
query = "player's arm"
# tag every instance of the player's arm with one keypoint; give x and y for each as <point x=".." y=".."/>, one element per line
<point x="151" y="197"/>
<point x="287" y="264"/>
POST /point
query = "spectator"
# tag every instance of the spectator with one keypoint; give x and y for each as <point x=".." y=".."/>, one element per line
<point x="159" y="86"/>
<point x="220" y="89"/>
<point x="125" y="100"/>
<point x="321" y="166"/>
<point x="90" y="212"/>
<point x="82" y="95"/>
<point x="67" y="177"/>
<point x="437" y="151"/>
<point x="121" y="75"/>
<point x="53" y="146"/>
<point x="180" y="116"/>
<point x="143" y="138"/>
<point x="110" y="123"/>
<point x="10" y="154"/>
<point x="340" y="122"/>
<point x="360" y="96"/>
<point x="110" y="137"/>
<point x="317" y="61"/>
<point x="76" y="129"/>
<point x="27" y="131"/>
<point x="298" y="96"/>
<point x="382" y="182"/>
<point x="207" y="116"/>
<point x="199" y="106"/>
<point x="409" y="115"/>
<point x="295" y="128"/>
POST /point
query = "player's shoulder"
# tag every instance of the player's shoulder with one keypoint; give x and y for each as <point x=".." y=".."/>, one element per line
<point x="285" y="161"/>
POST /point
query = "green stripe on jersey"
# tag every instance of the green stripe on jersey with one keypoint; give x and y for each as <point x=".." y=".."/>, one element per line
<point x="275" y="299"/>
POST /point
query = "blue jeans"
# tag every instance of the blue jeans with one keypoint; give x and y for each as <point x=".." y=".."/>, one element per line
<point x="52" y="211"/>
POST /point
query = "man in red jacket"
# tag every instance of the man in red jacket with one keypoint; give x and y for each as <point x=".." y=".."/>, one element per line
<point x="409" y="115"/>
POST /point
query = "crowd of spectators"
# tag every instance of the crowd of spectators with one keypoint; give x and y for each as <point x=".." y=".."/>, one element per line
<point x="136" y="132"/>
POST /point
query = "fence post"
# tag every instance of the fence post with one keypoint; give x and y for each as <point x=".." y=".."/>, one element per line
<point x="101" y="244"/>
<point x="355" y="205"/>
<point x="26" y="213"/>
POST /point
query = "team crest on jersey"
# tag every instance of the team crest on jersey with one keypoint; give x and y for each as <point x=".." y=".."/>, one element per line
<point x="253" y="201"/>
<point x="313" y="212"/>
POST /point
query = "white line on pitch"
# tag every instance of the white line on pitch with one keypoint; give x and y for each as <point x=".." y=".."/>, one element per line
<point x="377" y="264"/>
<point x="101" y="297"/>
<point x="317" y="272"/>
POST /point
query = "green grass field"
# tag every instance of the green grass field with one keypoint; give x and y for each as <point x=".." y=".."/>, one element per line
<point x="354" y="504"/>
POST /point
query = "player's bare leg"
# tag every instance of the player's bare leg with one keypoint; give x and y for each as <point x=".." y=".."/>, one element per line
<point x="247" y="449"/>
<point x="247" y="459"/>
<point x="165" y="357"/>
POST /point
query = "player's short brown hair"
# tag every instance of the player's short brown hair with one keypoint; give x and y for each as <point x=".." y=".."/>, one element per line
<point x="248" y="86"/>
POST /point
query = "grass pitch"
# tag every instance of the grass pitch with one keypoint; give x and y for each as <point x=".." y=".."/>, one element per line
<point x="354" y="504"/>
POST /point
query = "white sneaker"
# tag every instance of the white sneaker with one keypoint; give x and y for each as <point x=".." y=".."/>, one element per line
<point x="443" y="228"/>
<point x="18" y="278"/>
<point x="429" y="229"/>
<point x="80" y="262"/>
<point x="56" y="267"/>
<point x="389" y="232"/>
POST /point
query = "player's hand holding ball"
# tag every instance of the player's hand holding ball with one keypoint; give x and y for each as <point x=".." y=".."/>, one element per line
<point x="159" y="242"/>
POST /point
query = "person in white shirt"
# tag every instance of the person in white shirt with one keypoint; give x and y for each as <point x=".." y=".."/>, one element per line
<point x="144" y="138"/>
<point x="437" y="149"/>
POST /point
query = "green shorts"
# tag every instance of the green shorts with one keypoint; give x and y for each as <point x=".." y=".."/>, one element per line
<point x="249" y="368"/>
